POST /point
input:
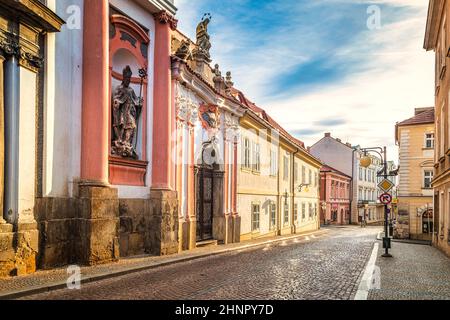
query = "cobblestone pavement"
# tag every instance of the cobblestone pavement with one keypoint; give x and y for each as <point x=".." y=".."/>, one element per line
<point x="415" y="272"/>
<point x="325" y="267"/>
<point x="44" y="279"/>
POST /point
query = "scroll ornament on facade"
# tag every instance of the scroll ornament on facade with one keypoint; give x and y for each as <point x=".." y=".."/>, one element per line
<point x="209" y="117"/>
<point x="126" y="110"/>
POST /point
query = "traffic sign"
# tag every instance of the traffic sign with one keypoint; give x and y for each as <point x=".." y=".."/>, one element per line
<point x="386" y="185"/>
<point x="386" y="198"/>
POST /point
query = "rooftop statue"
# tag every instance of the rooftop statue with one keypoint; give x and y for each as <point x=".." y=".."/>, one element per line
<point x="203" y="38"/>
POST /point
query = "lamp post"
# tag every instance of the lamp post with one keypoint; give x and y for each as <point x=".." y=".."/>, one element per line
<point x="366" y="162"/>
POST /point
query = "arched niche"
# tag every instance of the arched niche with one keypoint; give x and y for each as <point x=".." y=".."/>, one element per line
<point x="129" y="46"/>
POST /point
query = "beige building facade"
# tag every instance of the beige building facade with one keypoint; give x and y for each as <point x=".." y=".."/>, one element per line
<point x="437" y="39"/>
<point x="278" y="180"/>
<point x="415" y="138"/>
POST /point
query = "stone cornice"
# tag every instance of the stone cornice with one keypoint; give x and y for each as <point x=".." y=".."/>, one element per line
<point x="34" y="13"/>
<point x="435" y="10"/>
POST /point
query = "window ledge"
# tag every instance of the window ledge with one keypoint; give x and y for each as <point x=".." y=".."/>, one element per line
<point x="425" y="148"/>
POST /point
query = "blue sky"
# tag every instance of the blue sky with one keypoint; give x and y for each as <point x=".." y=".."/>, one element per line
<point x="315" y="66"/>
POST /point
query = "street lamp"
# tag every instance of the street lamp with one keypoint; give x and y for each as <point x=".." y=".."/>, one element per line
<point x="300" y="187"/>
<point x="365" y="162"/>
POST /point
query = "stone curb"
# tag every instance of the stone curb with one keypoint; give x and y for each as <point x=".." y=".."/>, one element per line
<point x="61" y="285"/>
<point x="420" y="242"/>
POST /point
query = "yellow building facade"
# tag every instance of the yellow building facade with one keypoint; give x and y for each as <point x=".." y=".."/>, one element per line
<point x="437" y="39"/>
<point x="278" y="180"/>
<point x="415" y="138"/>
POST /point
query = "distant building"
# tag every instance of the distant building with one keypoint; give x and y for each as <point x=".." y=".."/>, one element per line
<point x="366" y="183"/>
<point x="415" y="138"/>
<point x="340" y="156"/>
<point x="437" y="39"/>
<point x="345" y="158"/>
<point x="335" y="196"/>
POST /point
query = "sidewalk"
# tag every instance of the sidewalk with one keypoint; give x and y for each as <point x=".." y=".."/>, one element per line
<point x="415" y="272"/>
<point x="47" y="280"/>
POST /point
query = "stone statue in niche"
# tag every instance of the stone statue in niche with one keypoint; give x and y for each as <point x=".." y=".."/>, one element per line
<point x="126" y="110"/>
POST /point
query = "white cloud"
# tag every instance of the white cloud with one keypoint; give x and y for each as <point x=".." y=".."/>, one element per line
<point x="398" y="76"/>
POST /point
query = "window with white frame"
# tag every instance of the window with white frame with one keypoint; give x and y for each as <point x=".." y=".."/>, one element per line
<point x="295" y="212"/>
<point x="442" y="131"/>
<point x="315" y="210"/>
<point x="286" y="214"/>
<point x="246" y="154"/>
<point x="255" y="216"/>
<point x="427" y="178"/>
<point x="295" y="172"/>
<point x="273" y="215"/>
<point x="273" y="163"/>
<point x="310" y="177"/>
<point x="303" y="174"/>
<point x="310" y="210"/>
<point x="429" y="140"/>
<point x="256" y="157"/>
<point x="286" y="168"/>
<point x="303" y="211"/>
<point x="360" y="174"/>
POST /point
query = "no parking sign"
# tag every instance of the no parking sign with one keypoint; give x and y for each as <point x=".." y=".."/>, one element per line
<point x="386" y="198"/>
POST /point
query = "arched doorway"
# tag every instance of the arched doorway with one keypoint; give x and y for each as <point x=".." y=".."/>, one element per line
<point x="209" y="191"/>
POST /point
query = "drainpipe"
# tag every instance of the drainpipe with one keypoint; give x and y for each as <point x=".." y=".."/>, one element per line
<point x="12" y="109"/>
<point x="293" y="191"/>
<point x="352" y="186"/>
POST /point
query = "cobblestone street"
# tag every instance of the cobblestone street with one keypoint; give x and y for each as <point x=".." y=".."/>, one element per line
<point x="328" y="266"/>
<point x="415" y="272"/>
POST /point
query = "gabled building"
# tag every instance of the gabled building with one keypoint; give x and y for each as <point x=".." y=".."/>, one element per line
<point x="343" y="158"/>
<point x="415" y="138"/>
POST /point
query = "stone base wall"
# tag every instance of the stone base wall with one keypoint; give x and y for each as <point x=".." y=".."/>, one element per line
<point x="18" y="249"/>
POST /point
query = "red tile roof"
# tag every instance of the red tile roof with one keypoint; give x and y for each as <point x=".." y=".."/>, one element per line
<point x="327" y="168"/>
<point x="263" y="114"/>
<point x="426" y="116"/>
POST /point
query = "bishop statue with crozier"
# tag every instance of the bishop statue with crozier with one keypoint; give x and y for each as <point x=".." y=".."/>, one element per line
<point x="126" y="110"/>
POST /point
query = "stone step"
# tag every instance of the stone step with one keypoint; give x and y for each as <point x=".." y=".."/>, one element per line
<point x="206" y="243"/>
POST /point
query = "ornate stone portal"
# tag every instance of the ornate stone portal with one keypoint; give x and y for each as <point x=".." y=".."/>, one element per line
<point x="126" y="111"/>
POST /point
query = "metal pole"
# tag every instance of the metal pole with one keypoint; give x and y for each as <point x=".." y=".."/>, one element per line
<point x="386" y="239"/>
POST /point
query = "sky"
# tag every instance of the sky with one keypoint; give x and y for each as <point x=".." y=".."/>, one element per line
<point x="350" y="67"/>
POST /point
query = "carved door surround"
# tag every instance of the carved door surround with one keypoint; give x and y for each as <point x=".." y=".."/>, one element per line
<point x="127" y="37"/>
<point x="209" y="192"/>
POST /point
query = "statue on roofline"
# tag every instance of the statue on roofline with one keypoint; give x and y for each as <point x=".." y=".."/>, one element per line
<point x="203" y="38"/>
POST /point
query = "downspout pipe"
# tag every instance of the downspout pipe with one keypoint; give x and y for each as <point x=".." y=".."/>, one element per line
<point x="12" y="113"/>
<point x="297" y="151"/>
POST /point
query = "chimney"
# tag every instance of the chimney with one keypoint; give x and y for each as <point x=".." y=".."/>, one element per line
<point x="348" y="144"/>
<point x="308" y="149"/>
<point x="420" y="110"/>
<point x="327" y="135"/>
<point x="338" y="140"/>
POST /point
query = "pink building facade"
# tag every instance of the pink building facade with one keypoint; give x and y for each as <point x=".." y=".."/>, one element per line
<point x="335" y="196"/>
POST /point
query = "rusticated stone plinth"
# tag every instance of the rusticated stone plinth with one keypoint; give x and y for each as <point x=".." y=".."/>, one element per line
<point x="236" y="228"/>
<point x="98" y="225"/>
<point x="163" y="235"/>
